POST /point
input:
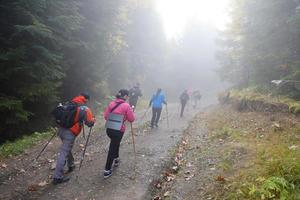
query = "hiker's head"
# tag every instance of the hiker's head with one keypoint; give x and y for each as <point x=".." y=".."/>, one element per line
<point x="122" y="94"/>
<point x="86" y="95"/>
<point x="158" y="91"/>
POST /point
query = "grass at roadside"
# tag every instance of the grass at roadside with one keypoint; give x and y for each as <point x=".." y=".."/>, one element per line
<point x="20" y="145"/>
<point x="271" y="168"/>
<point x="252" y="95"/>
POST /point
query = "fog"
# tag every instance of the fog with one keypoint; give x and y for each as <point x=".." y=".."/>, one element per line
<point x="189" y="64"/>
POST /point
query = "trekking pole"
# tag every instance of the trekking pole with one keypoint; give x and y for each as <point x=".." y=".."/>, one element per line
<point x="86" y="143"/>
<point x="167" y="115"/>
<point x="133" y="143"/>
<point x="45" y="146"/>
<point x="142" y="119"/>
<point x="143" y="116"/>
<point x="83" y="133"/>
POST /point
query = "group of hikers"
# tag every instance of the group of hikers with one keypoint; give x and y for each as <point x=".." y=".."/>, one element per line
<point x="116" y="114"/>
<point x="185" y="97"/>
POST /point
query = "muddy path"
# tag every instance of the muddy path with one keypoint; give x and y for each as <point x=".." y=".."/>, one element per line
<point x="129" y="181"/>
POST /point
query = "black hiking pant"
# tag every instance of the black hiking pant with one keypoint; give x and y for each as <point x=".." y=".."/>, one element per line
<point x="155" y="116"/>
<point x="113" y="152"/>
<point x="133" y="102"/>
<point x="183" y="104"/>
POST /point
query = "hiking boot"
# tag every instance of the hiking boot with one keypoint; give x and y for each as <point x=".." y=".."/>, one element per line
<point x="107" y="173"/>
<point x="71" y="168"/>
<point x="116" y="162"/>
<point x="60" y="180"/>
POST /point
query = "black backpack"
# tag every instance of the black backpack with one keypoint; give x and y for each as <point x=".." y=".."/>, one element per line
<point x="65" y="114"/>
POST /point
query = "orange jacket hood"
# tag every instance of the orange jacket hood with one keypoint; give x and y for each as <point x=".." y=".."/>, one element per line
<point x="79" y="99"/>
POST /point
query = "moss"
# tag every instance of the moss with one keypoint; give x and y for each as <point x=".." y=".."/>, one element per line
<point x="249" y="97"/>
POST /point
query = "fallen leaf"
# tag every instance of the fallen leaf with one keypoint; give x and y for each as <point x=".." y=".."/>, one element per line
<point x="4" y="165"/>
<point x="189" y="165"/>
<point x="167" y="193"/>
<point x="43" y="183"/>
<point x="276" y="125"/>
<point x="53" y="166"/>
<point x="157" y="198"/>
<point x="293" y="147"/>
<point x="81" y="145"/>
<point x="50" y="160"/>
<point x="32" y="188"/>
<point x="169" y="177"/>
<point x="22" y="170"/>
<point x="220" y="178"/>
<point x="158" y="186"/>
<point x="175" y="168"/>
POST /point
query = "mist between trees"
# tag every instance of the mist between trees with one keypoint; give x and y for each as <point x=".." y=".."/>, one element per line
<point x="53" y="50"/>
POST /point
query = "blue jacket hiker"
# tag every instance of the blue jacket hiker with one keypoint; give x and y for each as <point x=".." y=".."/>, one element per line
<point x="156" y="101"/>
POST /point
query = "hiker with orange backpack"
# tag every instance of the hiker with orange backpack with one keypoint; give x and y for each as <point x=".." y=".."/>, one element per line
<point x="116" y="114"/>
<point x="70" y="117"/>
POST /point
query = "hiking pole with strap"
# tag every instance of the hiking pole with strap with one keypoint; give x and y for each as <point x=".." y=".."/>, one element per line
<point x="45" y="146"/>
<point x="167" y="115"/>
<point x="133" y="143"/>
<point x="86" y="143"/>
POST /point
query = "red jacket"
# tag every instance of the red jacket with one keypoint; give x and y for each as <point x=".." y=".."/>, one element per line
<point x="124" y="109"/>
<point x="82" y="111"/>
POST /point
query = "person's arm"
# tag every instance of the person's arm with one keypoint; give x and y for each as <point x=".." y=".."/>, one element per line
<point x="151" y="101"/>
<point x="106" y="112"/>
<point x="89" y="118"/>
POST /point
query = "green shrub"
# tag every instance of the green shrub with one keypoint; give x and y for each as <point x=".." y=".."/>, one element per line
<point x="18" y="146"/>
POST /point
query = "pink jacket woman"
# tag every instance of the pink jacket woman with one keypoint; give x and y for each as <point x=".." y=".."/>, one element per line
<point x="123" y="109"/>
<point x="120" y="107"/>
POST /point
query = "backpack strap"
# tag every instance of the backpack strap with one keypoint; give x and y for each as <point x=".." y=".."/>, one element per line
<point x="117" y="105"/>
<point x="81" y="115"/>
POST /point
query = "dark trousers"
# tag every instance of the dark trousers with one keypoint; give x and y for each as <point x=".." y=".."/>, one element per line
<point x="133" y="102"/>
<point x="115" y="140"/>
<point x="155" y="116"/>
<point x="183" y="103"/>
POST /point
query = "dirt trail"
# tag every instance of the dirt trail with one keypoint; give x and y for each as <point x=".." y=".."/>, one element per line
<point x="152" y="148"/>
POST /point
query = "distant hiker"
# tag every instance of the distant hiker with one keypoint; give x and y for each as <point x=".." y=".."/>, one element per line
<point x="116" y="113"/>
<point x="68" y="132"/>
<point x="156" y="101"/>
<point x="134" y="94"/>
<point x="184" y="97"/>
<point x="196" y="96"/>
